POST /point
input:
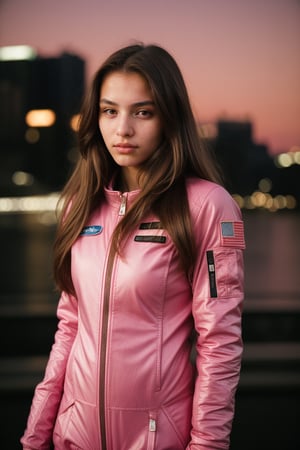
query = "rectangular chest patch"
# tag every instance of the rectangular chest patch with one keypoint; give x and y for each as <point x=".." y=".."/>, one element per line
<point x="158" y="239"/>
<point x="150" y="226"/>
<point x="232" y="234"/>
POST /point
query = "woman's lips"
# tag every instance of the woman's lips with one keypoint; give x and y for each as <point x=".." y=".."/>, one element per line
<point x="125" y="148"/>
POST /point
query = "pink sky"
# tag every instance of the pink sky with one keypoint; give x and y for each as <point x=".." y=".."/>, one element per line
<point x="240" y="58"/>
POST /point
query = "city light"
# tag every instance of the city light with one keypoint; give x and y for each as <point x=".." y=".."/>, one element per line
<point x="265" y="201"/>
<point x="262" y="199"/>
<point x="265" y="185"/>
<point x="285" y="160"/>
<point x="17" y="53"/>
<point x="239" y="200"/>
<point x="40" y="118"/>
<point x="29" y="204"/>
<point x="21" y="178"/>
<point x="74" y="122"/>
<point x="44" y="207"/>
<point x="297" y="157"/>
<point x="32" y="135"/>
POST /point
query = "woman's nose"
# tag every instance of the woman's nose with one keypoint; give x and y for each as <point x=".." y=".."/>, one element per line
<point x="124" y="127"/>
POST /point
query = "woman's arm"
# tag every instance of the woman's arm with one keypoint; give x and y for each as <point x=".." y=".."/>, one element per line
<point x="217" y="298"/>
<point x="47" y="396"/>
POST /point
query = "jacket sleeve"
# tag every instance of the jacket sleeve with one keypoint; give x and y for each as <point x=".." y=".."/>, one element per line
<point x="47" y="396"/>
<point x="217" y="297"/>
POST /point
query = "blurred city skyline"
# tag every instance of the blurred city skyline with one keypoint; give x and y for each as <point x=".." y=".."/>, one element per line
<point x="240" y="59"/>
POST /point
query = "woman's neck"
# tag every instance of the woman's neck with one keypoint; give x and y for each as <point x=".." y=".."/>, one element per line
<point x="128" y="180"/>
<point x="124" y="183"/>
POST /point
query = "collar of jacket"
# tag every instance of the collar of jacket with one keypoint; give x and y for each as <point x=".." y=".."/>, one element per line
<point x="114" y="198"/>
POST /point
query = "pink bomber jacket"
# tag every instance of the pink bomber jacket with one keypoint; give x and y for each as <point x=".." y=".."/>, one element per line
<point x="120" y="375"/>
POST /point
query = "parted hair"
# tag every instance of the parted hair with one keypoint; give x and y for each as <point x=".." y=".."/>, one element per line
<point x="162" y="177"/>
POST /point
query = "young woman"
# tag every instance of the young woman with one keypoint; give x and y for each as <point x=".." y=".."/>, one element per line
<point x="148" y="249"/>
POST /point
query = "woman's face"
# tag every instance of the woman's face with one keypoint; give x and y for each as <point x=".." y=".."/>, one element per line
<point x="129" y="122"/>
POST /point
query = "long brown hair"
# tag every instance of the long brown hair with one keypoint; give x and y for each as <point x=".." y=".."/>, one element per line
<point x="162" y="176"/>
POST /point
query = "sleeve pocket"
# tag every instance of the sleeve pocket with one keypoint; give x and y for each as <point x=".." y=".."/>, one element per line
<point x="229" y="273"/>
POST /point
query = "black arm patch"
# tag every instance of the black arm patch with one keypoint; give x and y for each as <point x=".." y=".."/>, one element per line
<point x="211" y="273"/>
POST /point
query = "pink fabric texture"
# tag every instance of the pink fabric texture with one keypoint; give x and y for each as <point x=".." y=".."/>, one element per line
<point x="119" y="375"/>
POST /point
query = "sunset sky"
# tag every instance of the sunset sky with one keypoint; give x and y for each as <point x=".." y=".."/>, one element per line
<point x="240" y="59"/>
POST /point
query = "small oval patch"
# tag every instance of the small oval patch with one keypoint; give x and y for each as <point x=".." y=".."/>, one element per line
<point x="91" y="230"/>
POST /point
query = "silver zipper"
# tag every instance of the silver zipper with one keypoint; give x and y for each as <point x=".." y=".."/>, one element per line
<point x="152" y="425"/>
<point x="122" y="209"/>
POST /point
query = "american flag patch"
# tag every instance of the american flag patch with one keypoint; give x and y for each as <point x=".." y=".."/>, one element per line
<point x="232" y="234"/>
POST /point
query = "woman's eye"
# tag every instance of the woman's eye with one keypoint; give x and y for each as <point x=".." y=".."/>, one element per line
<point x="144" y="113"/>
<point x="109" y="111"/>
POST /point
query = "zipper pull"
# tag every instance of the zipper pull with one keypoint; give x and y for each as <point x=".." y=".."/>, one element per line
<point x="152" y="425"/>
<point x="122" y="209"/>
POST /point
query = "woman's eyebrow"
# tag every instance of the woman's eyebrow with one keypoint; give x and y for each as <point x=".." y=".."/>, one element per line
<point x="137" y="104"/>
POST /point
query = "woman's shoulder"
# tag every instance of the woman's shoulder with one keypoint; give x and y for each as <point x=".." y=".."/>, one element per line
<point x="208" y="195"/>
<point x="198" y="188"/>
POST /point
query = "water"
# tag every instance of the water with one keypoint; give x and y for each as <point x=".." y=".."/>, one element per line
<point x="272" y="257"/>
